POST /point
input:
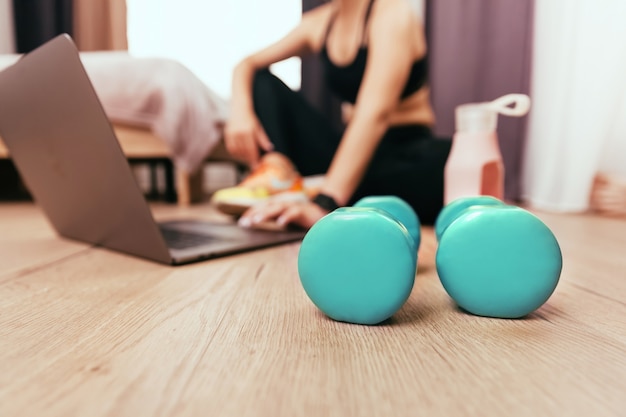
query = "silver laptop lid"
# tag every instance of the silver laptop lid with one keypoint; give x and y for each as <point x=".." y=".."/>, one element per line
<point x="66" y="152"/>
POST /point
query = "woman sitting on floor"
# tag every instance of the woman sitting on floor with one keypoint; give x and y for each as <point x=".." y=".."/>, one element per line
<point x="374" y="57"/>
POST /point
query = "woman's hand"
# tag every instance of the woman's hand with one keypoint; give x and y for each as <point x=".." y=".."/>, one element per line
<point x="283" y="213"/>
<point x="244" y="135"/>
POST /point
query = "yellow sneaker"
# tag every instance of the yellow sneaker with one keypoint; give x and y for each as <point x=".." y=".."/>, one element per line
<point x="274" y="177"/>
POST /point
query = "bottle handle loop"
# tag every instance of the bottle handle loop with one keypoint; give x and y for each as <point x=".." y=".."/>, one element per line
<point x="515" y="105"/>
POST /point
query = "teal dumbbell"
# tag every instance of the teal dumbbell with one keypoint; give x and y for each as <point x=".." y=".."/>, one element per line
<point x="497" y="260"/>
<point x="452" y="210"/>
<point x="358" y="264"/>
<point x="398" y="208"/>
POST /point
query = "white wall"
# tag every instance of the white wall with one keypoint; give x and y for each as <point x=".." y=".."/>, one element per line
<point x="210" y="37"/>
<point x="7" y="41"/>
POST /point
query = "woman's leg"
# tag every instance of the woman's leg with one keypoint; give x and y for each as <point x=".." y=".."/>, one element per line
<point x="409" y="164"/>
<point x="295" y="128"/>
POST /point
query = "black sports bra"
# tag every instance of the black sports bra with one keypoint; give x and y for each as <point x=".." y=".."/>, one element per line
<point x="345" y="81"/>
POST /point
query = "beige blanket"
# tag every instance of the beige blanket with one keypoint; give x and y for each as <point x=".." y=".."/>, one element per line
<point x="159" y="94"/>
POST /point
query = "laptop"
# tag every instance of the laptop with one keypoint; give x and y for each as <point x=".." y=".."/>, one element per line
<point x="66" y="152"/>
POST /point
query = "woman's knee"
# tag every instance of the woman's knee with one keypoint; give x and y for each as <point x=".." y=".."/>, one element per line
<point x="270" y="95"/>
<point x="264" y="84"/>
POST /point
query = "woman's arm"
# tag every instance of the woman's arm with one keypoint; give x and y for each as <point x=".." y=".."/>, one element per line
<point x="390" y="57"/>
<point x="243" y="132"/>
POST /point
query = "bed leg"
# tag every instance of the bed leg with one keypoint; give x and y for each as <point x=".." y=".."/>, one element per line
<point x="189" y="187"/>
<point x="170" y="187"/>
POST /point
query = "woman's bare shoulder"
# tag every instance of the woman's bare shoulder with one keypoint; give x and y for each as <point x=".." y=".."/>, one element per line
<point x="398" y="16"/>
<point x="395" y="12"/>
<point x="319" y="14"/>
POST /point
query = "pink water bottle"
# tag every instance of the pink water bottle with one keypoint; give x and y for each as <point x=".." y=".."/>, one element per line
<point x="474" y="166"/>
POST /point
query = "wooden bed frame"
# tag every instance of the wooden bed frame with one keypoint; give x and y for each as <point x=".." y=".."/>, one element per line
<point x="141" y="145"/>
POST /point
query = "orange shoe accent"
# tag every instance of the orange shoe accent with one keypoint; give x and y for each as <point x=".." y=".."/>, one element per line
<point x="273" y="177"/>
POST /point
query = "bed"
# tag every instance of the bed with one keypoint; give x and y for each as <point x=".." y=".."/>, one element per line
<point x="161" y="112"/>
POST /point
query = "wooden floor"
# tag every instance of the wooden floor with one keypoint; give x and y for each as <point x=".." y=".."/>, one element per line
<point x="88" y="332"/>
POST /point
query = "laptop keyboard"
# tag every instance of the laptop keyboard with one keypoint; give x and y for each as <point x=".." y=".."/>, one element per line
<point x="177" y="239"/>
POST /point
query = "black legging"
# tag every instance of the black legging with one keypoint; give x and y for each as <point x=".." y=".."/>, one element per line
<point x="408" y="163"/>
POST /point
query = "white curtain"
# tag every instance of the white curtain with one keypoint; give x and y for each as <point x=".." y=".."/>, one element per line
<point x="7" y="39"/>
<point x="210" y="37"/>
<point x="577" y="125"/>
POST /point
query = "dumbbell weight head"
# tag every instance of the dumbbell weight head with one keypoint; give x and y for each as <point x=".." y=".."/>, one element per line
<point x="498" y="261"/>
<point x="358" y="265"/>
<point x="399" y="209"/>
<point x="452" y="210"/>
